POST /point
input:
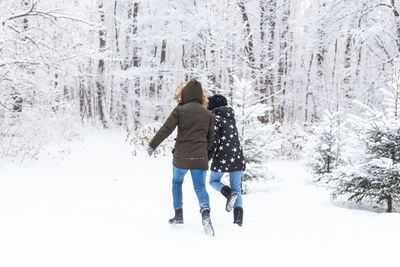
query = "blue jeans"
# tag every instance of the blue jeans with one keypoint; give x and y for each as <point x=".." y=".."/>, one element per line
<point x="199" y="184"/>
<point x="235" y="179"/>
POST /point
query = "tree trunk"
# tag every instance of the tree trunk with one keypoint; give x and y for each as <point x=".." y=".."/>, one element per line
<point x="270" y="54"/>
<point x="320" y="54"/>
<point x="82" y="106"/>
<point x="328" y="164"/>
<point x="282" y="65"/>
<point x="397" y="23"/>
<point x="163" y="57"/>
<point x="249" y="46"/>
<point x="263" y="58"/>
<point x="90" y="100"/>
<point x="389" y="204"/>
<point x="100" y="70"/>
<point x="136" y="83"/>
<point x="347" y="88"/>
<point x="308" y="91"/>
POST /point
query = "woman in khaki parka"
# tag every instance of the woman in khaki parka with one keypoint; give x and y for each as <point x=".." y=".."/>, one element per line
<point x="193" y="142"/>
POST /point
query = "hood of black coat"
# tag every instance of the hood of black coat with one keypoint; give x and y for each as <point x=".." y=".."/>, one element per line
<point x="224" y="111"/>
<point x="192" y="92"/>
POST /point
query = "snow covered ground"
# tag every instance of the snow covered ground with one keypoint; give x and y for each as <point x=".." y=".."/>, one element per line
<point x="102" y="207"/>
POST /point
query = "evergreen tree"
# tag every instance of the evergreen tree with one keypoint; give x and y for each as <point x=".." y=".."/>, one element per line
<point x="375" y="173"/>
<point x="252" y="132"/>
<point x="254" y="152"/>
<point x="323" y="154"/>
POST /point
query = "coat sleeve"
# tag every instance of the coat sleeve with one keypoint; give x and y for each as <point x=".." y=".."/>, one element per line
<point x="214" y="147"/>
<point x="168" y="127"/>
<point x="210" y="136"/>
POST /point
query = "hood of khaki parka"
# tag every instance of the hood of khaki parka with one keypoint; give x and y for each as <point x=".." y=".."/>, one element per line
<point x="192" y="92"/>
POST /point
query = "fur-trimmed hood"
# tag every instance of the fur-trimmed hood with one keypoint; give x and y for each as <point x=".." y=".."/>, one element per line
<point x="190" y="91"/>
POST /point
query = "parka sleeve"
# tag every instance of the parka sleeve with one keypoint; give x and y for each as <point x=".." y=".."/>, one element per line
<point x="210" y="136"/>
<point x="168" y="127"/>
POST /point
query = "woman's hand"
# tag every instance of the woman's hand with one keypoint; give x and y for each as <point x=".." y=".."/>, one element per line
<point x="150" y="150"/>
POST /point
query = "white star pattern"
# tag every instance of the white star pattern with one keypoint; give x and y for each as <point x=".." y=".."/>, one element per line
<point x="228" y="154"/>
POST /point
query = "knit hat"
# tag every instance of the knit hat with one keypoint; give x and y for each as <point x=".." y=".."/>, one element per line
<point x="216" y="101"/>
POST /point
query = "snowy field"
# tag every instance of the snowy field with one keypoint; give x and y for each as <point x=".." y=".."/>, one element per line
<point x="102" y="207"/>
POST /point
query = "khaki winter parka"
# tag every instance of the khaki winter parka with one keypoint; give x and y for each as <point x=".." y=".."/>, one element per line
<point x="195" y="129"/>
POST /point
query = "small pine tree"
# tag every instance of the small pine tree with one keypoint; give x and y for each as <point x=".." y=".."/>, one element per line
<point x="254" y="153"/>
<point x="251" y="132"/>
<point x="323" y="154"/>
<point x="375" y="173"/>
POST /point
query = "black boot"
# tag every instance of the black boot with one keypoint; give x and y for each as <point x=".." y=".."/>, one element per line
<point x="230" y="197"/>
<point x="178" y="219"/>
<point x="238" y="216"/>
<point x="206" y="221"/>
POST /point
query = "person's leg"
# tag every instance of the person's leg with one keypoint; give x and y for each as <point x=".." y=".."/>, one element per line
<point x="215" y="180"/>
<point x="199" y="184"/>
<point x="235" y="180"/>
<point x="177" y="180"/>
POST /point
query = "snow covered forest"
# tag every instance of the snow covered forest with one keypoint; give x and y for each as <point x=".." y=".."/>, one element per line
<point x="117" y="63"/>
<point x="86" y="84"/>
<point x="282" y="64"/>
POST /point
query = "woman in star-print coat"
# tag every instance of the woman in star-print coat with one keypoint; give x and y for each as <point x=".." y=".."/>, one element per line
<point x="227" y="156"/>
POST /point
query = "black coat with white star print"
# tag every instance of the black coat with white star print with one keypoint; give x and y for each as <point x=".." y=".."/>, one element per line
<point x="226" y="153"/>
